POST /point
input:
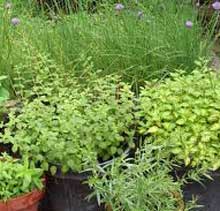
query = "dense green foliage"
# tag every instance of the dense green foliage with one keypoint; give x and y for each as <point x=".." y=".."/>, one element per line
<point x="68" y="63"/>
<point x="183" y="114"/>
<point x="139" y="184"/>
<point x="74" y="127"/>
<point x="139" y="47"/>
<point x="17" y="178"/>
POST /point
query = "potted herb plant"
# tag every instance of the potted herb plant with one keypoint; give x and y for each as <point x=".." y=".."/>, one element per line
<point x="21" y="186"/>
<point x="78" y="128"/>
<point x="183" y="114"/>
<point x="142" y="183"/>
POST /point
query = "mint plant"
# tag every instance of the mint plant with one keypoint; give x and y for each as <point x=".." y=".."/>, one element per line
<point x="17" y="178"/>
<point x="183" y="114"/>
<point x="74" y="127"/>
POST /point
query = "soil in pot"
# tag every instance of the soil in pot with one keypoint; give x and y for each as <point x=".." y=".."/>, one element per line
<point x="207" y="194"/>
<point x="26" y="202"/>
<point x="68" y="193"/>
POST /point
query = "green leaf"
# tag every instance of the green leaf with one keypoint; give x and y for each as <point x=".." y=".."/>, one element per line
<point x="45" y="165"/>
<point x="64" y="169"/>
<point x="53" y="170"/>
<point x="176" y="150"/>
<point x="3" y="77"/>
<point x="180" y="122"/>
<point x="153" y="129"/>
<point x="4" y="94"/>
<point x="215" y="127"/>
<point x="187" y="161"/>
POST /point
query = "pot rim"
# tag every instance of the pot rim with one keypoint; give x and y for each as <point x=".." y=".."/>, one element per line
<point x="22" y="196"/>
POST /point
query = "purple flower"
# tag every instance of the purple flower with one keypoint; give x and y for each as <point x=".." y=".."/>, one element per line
<point x="189" y="24"/>
<point x="140" y="14"/>
<point x="15" y="21"/>
<point x="216" y="5"/>
<point x="119" y="7"/>
<point x="8" y="5"/>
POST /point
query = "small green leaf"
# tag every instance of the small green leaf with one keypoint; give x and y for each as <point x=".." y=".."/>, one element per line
<point x="53" y="170"/>
<point x="153" y="129"/>
<point x="45" y="166"/>
<point x="215" y="127"/>
<point x="180" y="122"/>
<point x="187" y="161"/>
<point x="176" y="150"/>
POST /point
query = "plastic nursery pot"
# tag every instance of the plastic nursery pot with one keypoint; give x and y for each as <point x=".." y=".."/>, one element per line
<point x="26" y="202"/>
<point x="68" y="192"/>
<point x="207" y="195"/>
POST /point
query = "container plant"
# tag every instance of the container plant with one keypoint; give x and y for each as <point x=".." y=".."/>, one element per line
<point x="66" y="133"/>
<point x="142" y="183"/>
<point x="21" y="186"/>
<point x="182" y="113"/>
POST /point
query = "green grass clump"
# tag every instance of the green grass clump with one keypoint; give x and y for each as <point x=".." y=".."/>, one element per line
<point x="136" y="47"/>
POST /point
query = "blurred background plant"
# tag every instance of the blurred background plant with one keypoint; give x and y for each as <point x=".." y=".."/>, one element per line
<point x="138" y="40"/>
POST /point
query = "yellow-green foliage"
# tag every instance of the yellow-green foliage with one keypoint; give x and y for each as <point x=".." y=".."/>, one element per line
<point x="183" y="114"/>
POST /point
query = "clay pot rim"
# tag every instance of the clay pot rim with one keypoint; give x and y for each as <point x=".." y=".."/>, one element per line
<point x="24" y="195"/>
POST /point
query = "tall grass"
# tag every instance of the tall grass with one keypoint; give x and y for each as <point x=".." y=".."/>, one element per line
<point x="136" y="47"/>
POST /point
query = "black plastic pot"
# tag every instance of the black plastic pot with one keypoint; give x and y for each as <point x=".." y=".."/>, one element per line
<point x="68" y="193"/>
<point x="207" y="194"/>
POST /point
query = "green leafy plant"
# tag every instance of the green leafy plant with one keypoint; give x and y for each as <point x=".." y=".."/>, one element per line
<point x="74" y="126"/>
<point x="138" y="184"/>
<point x="4" y="94"/>
<point x="17" y="178"/>
<point x="183" y="114"/>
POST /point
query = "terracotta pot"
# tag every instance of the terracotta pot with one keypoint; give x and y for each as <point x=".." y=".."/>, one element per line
<point x="26" y="202"/>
